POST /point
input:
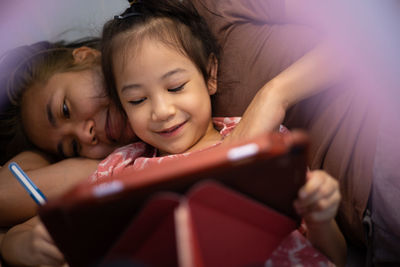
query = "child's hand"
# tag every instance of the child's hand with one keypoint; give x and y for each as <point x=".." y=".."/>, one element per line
<point x="44" y="252"/>
<point x="318" y="200"/>
<point x="29" y="244"/>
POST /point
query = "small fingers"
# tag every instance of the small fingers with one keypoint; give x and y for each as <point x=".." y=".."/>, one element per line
<point x="324" y="210"/>
<point x="319" y="194"/>
<point x="48" y="254"/>
<point x="53" y="256"/>
<point x="46" y="251"/>
<point x="318" y="185"/>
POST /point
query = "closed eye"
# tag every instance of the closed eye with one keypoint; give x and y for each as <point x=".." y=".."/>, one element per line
<point x="136" y="102"/>
<point x="177" y="89"/>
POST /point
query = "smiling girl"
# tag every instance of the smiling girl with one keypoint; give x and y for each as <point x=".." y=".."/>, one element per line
<point x="160" y="63"/>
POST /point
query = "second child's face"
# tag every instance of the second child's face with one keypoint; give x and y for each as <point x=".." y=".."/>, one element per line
<point x="165" y="97"/>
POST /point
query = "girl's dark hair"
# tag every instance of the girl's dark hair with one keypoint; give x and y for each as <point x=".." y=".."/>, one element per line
<point x="20" y="69"/>
<point x="176" y="23"/>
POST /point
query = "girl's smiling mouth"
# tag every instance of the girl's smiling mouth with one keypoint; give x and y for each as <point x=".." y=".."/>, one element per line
<point x="172" y="131"/>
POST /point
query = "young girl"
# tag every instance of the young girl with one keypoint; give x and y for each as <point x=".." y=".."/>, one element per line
<point x="160" y="63"/>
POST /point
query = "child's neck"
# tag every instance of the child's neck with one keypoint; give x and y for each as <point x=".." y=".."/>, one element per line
<point x="211" y="137"/>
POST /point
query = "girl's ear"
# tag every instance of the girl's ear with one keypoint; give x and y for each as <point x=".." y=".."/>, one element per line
<point x="84" y="53"/>
<point x="213" y="73"/>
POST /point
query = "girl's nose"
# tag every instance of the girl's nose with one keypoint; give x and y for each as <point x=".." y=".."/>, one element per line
<point x="162" y="109"/>
<point x="86" y="133"/>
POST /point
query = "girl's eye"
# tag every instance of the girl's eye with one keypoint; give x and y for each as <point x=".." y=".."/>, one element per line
<point x="136" y="102"/>
<point x="65" y="110"/>
<point x="177" y="89"/>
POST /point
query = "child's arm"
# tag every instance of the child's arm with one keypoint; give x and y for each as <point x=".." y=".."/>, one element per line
<point x="29" y="244"/>
<point x="53" y="179"/>
<point x="318" y="203"/>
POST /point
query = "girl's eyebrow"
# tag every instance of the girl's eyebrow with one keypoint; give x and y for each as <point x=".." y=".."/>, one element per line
<point x="163" y="77"/>
<point x="130" y="87"/>
<point x="172" y="72"/>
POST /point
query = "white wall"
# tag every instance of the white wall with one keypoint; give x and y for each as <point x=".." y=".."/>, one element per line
<point x="28" y="21"/>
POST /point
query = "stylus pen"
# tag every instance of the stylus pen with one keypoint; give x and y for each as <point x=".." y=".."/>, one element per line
<point x="29" y="186"/>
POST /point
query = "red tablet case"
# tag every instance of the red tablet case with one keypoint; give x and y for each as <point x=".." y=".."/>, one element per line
<point x="87" y="220"/>
<point x="211" y="225"/>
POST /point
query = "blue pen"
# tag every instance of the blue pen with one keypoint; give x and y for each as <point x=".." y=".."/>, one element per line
<point x="32" y="189"/>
